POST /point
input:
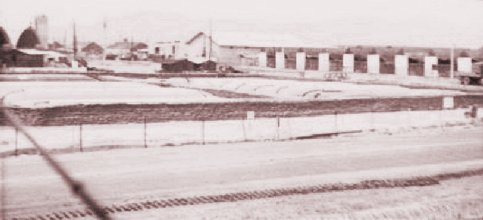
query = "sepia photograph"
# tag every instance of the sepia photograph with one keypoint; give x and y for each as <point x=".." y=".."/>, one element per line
<point x="253" y="109"/>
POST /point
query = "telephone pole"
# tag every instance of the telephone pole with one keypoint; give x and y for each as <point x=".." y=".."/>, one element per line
<point x="75" y="43"/>
<point x="451" y="74"/>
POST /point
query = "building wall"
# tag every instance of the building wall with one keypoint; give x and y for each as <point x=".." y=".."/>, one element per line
<point x="16" y="59"/>
<point x="234" y="56"/>
<point x="324" y="62"/>
<point x="373" y="63"/>
<point x="430" y="66"/>
<point x="117" y="51"/>
<point x="199" y="47"/>
<point x="169" y="50"/>
<point x="30" y="61"/>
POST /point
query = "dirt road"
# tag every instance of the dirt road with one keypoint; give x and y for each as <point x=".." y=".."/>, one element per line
<point x="131" y="175"/>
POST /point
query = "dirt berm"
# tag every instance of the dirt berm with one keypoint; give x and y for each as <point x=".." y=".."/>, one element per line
<point x="127" y="113"/>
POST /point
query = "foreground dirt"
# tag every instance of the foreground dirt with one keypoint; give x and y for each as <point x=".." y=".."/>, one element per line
<point x="143" y="206"/>
<point x="130" y="176"/>
<point x="452" y="199"/>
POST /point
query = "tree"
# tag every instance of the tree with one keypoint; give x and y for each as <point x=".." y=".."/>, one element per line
<point x="373" y="51"/>
<point x="464" y="53"/>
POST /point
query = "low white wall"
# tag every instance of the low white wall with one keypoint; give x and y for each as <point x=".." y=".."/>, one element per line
<point x="401" y="65"/>
<point x="300" y="61"/>
<point x="120" y="66"/>
<point x="348" y="63"/>
<point x="50" y="70"/>
<point x="324" y="62"/>
<point x="373" y="63"/>
<point x="183" y="132"/>
<point x="464" y="64"/>
<point x="280" y="60"/>
<point x="429" y="71"/>
<point x="262" y="59"/>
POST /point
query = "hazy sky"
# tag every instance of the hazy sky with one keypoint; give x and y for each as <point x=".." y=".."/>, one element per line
<point x="418" y="22"/>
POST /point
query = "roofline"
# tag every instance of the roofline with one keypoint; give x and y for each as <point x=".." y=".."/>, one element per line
<point x="285" y="47"/>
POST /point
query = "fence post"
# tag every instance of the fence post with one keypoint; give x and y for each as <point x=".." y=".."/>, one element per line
<point x="278" y="127"/>
<point x="372" y="126"/>
<point x="80" y="137"/>
<point x="244" y="130"/>
<point x="336" y="124"/>
<point x="16" y="141"/>
<point x="145" y="133"/>
<point x="203" y="132"/>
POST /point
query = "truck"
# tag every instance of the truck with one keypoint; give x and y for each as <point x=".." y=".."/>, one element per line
<point x="475" y="77"/>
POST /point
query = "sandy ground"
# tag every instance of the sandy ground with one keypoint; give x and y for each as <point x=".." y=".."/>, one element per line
<point x="294" y="89"/>
<point x="127" y="66"/>
<point x="48" y="94"/>
<point x="130" y="175"/>
<point x="453" y="199"/>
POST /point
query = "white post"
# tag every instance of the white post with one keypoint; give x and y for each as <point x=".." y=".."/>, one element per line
<point x="324" y="63"/>
<point x="373" y="63"/>
<point x="348" y="63"/>
<point x="429" y="63"/>
<point x="262" y="59"/>
<point x="401" y="65"/>
<point x="300" y="61"/>
<point x="75" y="64"/>
<point x="464" y="64"/>
<point x="280" y="60"/>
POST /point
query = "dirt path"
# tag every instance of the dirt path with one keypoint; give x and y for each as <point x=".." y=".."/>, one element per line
<point x="137" y="175"/>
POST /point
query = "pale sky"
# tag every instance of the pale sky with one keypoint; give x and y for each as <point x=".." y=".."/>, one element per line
<point x="383" y="22"/>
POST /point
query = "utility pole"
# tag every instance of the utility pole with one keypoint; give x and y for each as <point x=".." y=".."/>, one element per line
<point x="80" y="138"/>
<point x="451" y="74"/>
<point x="104" y="38"/>
<point x="75" y="42"/>
<point x="211" y="40"/>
